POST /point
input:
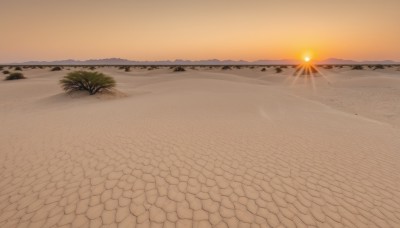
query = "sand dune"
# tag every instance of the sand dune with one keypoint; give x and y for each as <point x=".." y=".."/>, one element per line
<point x="203" y="148"/>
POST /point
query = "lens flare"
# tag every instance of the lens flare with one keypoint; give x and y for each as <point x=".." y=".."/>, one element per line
<point x="307" y="72"/>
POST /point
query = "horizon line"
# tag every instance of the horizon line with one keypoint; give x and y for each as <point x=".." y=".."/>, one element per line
<point x="201" y="60"/>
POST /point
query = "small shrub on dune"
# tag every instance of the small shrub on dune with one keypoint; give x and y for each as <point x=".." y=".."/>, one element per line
<point x="6" y="72"/>
<point x="18" y="68"/>
<point x="226" y="68"/>
<point x="278" y="70"/>
<point x="357" y="67"/>
<point x="379" y="67"/>
<point x="15" y="76"/>
<point x="92" y="68"/>
<point x="57" y="68"/>
<point x="179" y="69"/>
<point x="263" y="69"/>
<point x="93" y="82"/>
<point x="327" y="67"/>
<point x="127" y="69"/>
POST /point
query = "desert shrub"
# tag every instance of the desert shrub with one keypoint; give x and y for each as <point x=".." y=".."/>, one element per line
<point x="1" y="68"/>
<point x="179" y="69"/>
<point x="278" y="70"/>
<point x="18" y="68"/>
<point x="379" y="67"/>
<point x="57" y="68"/>
<point x="357" y="67"/>
<point x="127" y="69"/>
<point x="263" y="69"/>
<point x="92" y="68"/>
<point x="15" y="76"/>
<point x="6" y="72"/>
<point x="328" y="67"/>
<point x="252" y="67"/>
<point x="93" y="82"/>
<point x="226" y="68"/>
<point x="283" y="67"/>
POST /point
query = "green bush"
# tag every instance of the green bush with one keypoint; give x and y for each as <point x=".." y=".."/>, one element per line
<point x="15" y="76"/>
<point x="93" y="82"/>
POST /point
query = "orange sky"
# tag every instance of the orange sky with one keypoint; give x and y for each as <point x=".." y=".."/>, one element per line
<point x="198" y="29"/>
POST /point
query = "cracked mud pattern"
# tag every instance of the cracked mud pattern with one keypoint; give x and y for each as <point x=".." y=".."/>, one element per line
<point x="198" y="159"/>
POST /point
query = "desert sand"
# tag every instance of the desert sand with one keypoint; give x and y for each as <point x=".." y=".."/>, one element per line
<point x="202" y="148"/>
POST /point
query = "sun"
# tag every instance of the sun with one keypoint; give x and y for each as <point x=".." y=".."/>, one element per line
<point x="307" y="59"/>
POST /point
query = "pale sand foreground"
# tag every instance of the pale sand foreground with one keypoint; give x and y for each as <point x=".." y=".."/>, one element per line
<point x="239" y="148"/>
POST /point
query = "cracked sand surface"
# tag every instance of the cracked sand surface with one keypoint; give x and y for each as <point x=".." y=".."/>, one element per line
<point x="191" y="152"/>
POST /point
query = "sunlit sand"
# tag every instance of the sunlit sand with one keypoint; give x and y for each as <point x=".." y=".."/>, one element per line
<point x="202" y="148"/>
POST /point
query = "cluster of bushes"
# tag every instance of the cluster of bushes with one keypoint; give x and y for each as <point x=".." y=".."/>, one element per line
<point x="379" y="67"/>
<point x="263" y="69"/>
<point x="179" y="69"/>
<point x="153" y="68"/>
<point x="15" y="76"/>
<point x="357" y="67"/>
<point x="226" y="68"/>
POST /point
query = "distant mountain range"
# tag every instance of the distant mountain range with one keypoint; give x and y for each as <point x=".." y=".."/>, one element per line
<point x="118" y="61"/>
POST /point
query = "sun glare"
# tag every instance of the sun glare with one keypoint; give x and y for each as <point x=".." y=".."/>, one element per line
<point x="307" y="59"/>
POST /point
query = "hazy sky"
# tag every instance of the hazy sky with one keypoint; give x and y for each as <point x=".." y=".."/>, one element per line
<point x="198" y="29"/>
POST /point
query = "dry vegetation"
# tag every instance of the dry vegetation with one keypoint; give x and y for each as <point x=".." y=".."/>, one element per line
<point x="93" y="82"/>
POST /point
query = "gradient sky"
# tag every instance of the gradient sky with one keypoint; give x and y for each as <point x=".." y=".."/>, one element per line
<point x="198" y="29"/>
